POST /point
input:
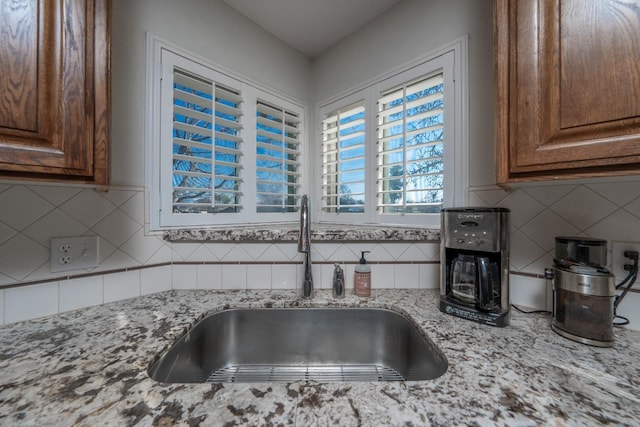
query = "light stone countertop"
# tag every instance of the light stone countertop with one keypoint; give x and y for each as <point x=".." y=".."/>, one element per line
<point x="289" y="232"/>
<point x="88" y="367"/>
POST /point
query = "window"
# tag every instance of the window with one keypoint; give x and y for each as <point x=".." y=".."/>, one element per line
<point x="206" y="146"/>
<point x="277" y="158"/>
<point x="343" y="159"/>
<point x="222" y="150"/>
<point x="392" y="152"/>
<point x="411" y="148"/>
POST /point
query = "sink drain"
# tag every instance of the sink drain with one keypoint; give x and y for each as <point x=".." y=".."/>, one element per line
<point x="331" y="373"/>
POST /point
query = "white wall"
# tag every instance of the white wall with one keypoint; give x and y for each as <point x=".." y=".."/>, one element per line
<point x="207" y="28"/>
<point x="411" y="29"/>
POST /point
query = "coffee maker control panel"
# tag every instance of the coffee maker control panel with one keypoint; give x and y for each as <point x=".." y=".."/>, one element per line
<point x="472" y="240"/>
<point x="472" y="229"/>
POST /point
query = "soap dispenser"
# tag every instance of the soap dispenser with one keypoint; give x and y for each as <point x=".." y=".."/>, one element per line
<point x="362" y="279"/>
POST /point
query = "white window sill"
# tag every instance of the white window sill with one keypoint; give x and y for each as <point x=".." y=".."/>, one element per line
<point x="289" y="233"/>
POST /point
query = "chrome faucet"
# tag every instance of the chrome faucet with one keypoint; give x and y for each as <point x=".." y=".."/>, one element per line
<point x="304" y="246"/>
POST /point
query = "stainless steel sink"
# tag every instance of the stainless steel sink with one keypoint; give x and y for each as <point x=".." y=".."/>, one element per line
<point x="307" y="344"/>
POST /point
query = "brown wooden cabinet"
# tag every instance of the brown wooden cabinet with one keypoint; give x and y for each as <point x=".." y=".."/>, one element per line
<point x="568" y="88"/>
<point x="54" y="90"/>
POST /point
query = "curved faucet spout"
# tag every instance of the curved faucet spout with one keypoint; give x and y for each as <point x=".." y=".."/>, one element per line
<point x="304" y="239"/>
<point x="304" y="246"/>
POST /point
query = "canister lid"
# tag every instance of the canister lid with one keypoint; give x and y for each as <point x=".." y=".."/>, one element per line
<point x="581" y="250"/>
<point x="589" y="241"/>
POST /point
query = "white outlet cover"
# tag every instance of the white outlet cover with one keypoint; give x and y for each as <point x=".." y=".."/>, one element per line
<point x="73" y="253"/>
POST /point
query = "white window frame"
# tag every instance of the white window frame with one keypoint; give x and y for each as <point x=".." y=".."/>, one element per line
<point x="451" y="59"/>
<point x="322" y="115"/>
<point x="159" y="170"/>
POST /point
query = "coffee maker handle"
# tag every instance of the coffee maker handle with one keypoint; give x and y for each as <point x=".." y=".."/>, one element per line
<point x="485" y="291"/>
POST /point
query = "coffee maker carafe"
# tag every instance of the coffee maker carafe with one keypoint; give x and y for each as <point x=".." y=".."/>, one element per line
<point x="474" y="264"/>
<point x="472" y="280"/>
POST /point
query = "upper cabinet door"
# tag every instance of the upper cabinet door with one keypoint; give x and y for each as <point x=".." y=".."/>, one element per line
<point x="54" y="90"/>
<point x="568" y="88"/>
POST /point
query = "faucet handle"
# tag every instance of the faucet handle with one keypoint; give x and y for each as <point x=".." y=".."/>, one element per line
<point x="338" y="281"/>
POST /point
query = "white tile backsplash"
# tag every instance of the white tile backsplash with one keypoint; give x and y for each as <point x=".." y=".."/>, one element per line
<point x="54" y="194"/>
<point x="289" y="251"/>
<point x="133" y="206"/>
<point x="54" y="224"/>
<point x="119" y="286"/>
<point x="584" y="206"/>
<point x="20" y="255"/>
<point x="259" y="276"/>
<point x="259" y="251"/>
<point x="276" y="253"/>
<point x="528" y="292"/>
<point x="629" y="309"/>
<point x="407" y="275"/>
<point x="156" y="279"/>
<point x="234" y="276"/>
<point x="523" y="207"/>
<point x="285" y="276"/>
<point x="383" y="276"/>
<point x="237" y="253"/>
<point x="609" y="210"/>
<point x="30" y="302"/>
<point x="430" y="250"/>
<point x="142" y="247"/>
<point x="117" y="227"/>
<point x="182" y="251"/>
<point x="199" y="254"/>
<point x="523" y="250"/>
<point x="88" y="207"/>
<point x="325" y="250"/>
<point x="22" y="207"/>
<point x="80" y="293"/>
<point x="184" y="277"/>
<point x="621" y="225"/>
<point x="6" y="233"/>
<point x="430" y="276"/>
<point x="209" y="276"/>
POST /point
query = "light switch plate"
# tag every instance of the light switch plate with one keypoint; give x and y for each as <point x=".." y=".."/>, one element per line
<point x="73" y="253"/>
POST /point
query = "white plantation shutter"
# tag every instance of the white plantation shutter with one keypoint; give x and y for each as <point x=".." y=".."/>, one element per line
<point x="221" y="148"/>
<point x="278" y="143"/>
<point x="206" y="146"/>
<point x="411" y="147"/>
<point x="343" y="160"/>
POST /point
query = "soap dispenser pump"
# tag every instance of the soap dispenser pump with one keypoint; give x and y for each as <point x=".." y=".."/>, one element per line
<point x="362" y="279"/>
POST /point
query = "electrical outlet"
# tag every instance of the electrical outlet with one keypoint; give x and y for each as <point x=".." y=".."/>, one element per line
<point x="73" y="253"/>
<point x="65" y="260"/>
<point x="618" y="260"/>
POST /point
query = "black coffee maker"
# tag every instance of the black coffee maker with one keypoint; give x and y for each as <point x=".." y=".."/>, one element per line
<point x="474" y="260"/>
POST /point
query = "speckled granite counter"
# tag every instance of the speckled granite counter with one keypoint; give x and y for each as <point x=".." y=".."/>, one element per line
<point x="88" y="367"/>
<point x="289" y="232"/>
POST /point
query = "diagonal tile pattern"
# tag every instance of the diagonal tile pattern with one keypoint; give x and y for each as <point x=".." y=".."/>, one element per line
<point x="609" y="210"/>
<point x="605" y="210"/>
<point x="21" y="207"/>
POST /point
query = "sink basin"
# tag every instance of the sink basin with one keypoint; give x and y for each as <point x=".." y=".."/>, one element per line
<point x="307" y="344"/>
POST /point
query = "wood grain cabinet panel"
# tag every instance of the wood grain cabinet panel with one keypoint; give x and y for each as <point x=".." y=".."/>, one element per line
<point x="54" y="90"/>
<point x="568" y="88"/>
